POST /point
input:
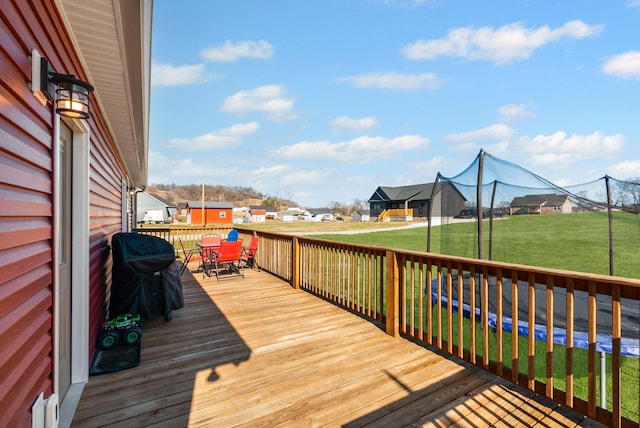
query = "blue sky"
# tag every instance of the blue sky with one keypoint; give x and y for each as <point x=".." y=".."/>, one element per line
<point x="322" y="101"/>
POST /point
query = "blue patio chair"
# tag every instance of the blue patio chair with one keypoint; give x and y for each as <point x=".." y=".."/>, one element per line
<point x="232" y="236"/>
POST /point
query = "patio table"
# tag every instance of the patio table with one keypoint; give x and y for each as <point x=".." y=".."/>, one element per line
<point x="207" y="251"/>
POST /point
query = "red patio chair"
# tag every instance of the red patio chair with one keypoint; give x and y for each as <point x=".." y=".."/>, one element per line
<point x="230" y="255"/>
<point x="249" y="253"/>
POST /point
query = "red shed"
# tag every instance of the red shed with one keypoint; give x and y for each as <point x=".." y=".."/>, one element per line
<point x="214" y="212"/>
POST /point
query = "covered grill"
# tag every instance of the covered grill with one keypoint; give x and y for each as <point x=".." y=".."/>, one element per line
<point x="145" y="277"/>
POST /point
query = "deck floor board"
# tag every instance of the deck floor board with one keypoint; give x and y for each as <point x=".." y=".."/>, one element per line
<point x="255" y="352"/>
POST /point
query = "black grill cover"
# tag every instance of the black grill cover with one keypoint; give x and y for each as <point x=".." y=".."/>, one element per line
<point x="145" y="277"/>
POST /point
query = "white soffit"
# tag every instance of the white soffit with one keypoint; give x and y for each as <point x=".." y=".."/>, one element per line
<point x="113" y="38"/>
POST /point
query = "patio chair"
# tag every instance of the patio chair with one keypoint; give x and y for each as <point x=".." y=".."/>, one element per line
<point x="249" y="253"/>
<point x="208" y="247"/>
<point x="187" y="254"/>
<point x="232" y="235"/>
<point x="228" y="259"/>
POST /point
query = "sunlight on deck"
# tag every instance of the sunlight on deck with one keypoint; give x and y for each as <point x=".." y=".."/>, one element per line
<point x="255" y="352"/>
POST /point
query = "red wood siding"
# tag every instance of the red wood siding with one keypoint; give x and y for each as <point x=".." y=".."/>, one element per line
<point x="212" y="216"/>
<point x="26" y="207"/>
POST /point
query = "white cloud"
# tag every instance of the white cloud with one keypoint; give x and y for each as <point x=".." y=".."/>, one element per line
<point x="169" y="75"/>
<point x="632" y="3"/>
<point x="394" y="81"/>
<point x="562" y="148"/>
<point x="358" y="150"/>
<point x="493" y="132"/>
<point x="269" y="99"/>
<point x="626" y="65"/>
<point x="307" y="176"/>
<point x="513" y="112"/>
<point x="625" y="170"/>
<point x="361" y="124"/>
<point x="230" y="51"/>
<point x="276" y="170"/>
<point x="431" y="166"/>
<point x="501" y="46"/>
<point x="166" y="169"/>
<point x="216" y="140"/>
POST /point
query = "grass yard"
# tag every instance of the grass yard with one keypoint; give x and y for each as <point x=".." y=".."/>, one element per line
<point x="577" y="242"/>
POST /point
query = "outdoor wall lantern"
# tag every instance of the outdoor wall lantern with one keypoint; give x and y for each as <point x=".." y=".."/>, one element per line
<point x="71" y="94"/>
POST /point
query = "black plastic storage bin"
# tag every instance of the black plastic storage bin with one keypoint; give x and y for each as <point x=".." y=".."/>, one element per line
<point x="145" y="277"/>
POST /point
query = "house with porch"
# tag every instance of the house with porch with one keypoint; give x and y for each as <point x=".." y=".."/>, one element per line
<point x="74" y="119"/>
<point x="540" y="204"/>
<point x="448" y="201"/>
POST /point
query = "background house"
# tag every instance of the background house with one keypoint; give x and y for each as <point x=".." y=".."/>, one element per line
<point x="150" y="202"/>
<point x="271" y="212"/>
<point x="257" y="214"/>
<point x="214" y="212"/>
<point x="361" y="215"/>
<point x="319" y="214"/>
<point x="540" y="204"/>
<point x="448" y="200"/>
<point x="67" y="188"/>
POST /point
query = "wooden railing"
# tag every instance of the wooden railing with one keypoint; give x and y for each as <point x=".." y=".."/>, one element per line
<point x="188" y="236"/>
<point x="385" y="215"/>
<point x="394" y="288"/>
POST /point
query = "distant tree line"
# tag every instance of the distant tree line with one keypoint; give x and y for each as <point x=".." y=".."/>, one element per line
<point x="234" y="194"/>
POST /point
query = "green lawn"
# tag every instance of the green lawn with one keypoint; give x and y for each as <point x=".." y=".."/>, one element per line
<point x="577" y="242"/>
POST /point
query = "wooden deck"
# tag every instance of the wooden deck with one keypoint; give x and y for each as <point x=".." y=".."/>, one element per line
<point x="255" y="352"/>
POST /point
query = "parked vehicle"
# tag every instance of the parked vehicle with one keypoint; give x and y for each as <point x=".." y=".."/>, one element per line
<point x="473" y="213"/>
<point x="467" y="213"/>
<point x="153" y="217"/>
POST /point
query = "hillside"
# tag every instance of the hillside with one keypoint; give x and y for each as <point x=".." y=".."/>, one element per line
<point x="238" y="195"/>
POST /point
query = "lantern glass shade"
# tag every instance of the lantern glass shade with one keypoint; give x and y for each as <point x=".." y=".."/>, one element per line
<point x="72" y="100"/>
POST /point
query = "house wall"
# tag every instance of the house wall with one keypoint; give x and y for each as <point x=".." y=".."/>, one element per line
<point x="26" y="208"/>
<point x="565" y="208"/>
<point x="145" y="202"/>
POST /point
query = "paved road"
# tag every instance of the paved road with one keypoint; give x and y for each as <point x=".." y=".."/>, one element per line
<point x="353" y="232"/>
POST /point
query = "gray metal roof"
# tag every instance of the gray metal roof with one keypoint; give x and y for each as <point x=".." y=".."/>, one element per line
<point x="209" y="204"/>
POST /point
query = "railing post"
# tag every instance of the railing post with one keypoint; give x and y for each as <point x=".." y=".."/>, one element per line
<point x="295" y="265"/>
<point x="393" y="308"/>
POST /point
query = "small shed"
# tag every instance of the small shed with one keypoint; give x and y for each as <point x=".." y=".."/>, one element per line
<point x="361" y="215"/>
<point x="214" y="212"/>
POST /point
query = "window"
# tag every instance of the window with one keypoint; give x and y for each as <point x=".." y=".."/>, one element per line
<point x="223" y="214"/>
